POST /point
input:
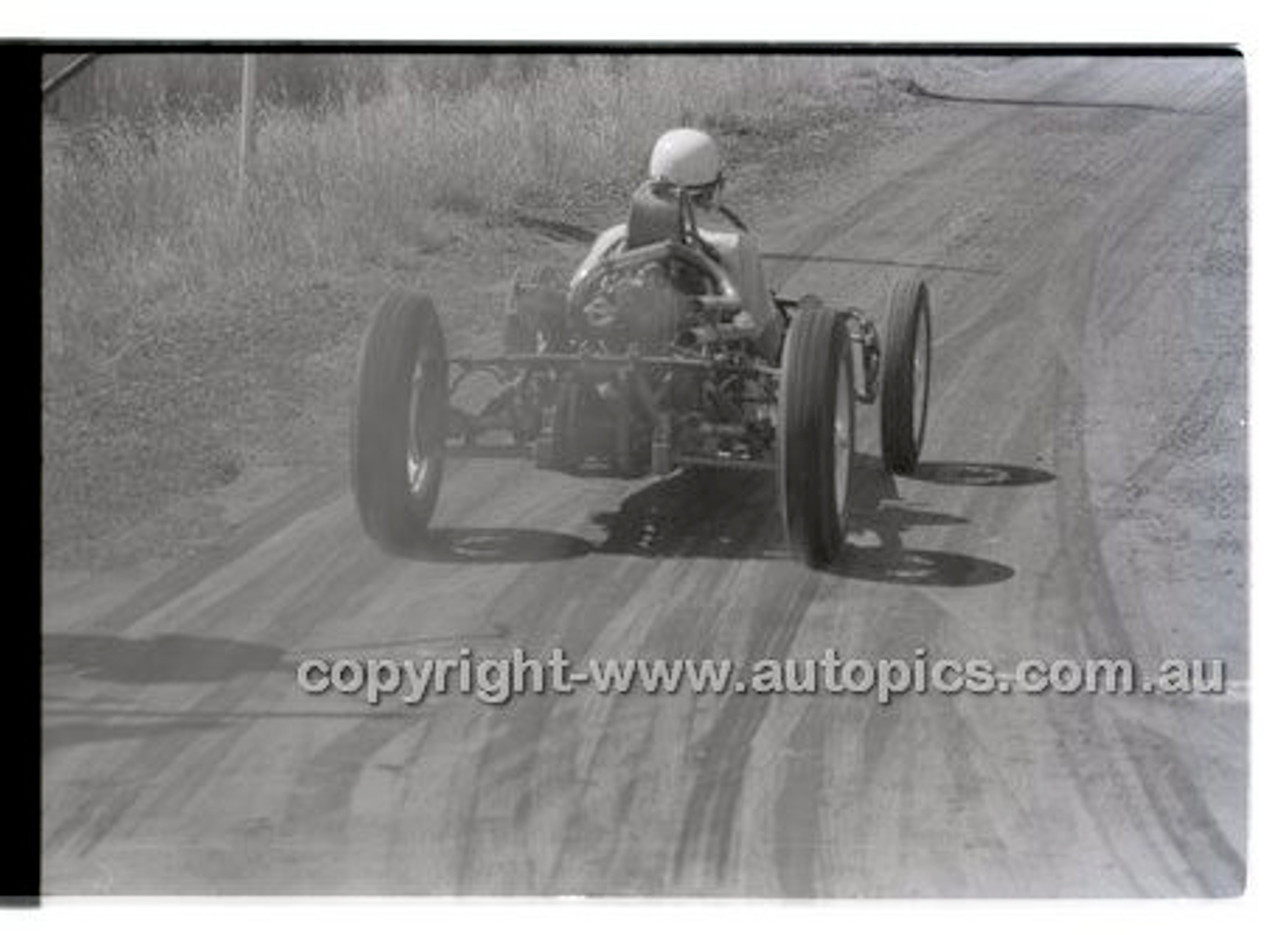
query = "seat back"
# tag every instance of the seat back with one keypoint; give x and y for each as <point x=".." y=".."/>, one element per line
<point x="653" y="218"/>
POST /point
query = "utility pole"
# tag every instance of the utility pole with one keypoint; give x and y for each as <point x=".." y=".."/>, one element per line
<point x="248" y="125"/>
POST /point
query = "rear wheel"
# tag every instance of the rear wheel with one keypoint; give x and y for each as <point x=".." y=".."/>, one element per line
<point x="816" y="420"/>
<point x="904" y="405"/>
<point x="399" y="421"/>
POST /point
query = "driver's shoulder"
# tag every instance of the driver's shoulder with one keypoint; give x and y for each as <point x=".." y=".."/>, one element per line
<point x="607" y="239"/>
<point x="610" y="236"/>
<point x="724" y="239"/>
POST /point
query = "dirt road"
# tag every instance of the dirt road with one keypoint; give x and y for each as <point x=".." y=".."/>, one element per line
<point x="1083" y="496"/>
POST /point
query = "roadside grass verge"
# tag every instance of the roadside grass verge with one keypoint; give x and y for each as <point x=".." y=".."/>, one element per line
<point x="188" y="336"/>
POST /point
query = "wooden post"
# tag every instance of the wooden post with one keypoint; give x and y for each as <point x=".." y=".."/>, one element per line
<point x="248" y="125"/>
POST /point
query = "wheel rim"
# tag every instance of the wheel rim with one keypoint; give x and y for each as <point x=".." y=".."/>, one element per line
<point x="843" y="435"/>
<point x="920" y="375"/>
<point x="421" y="456"/>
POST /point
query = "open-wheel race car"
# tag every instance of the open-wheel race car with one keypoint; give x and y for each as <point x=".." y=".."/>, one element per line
<point x="663" y="352"/>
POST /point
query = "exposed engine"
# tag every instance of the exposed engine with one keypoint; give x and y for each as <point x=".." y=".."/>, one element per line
<point x="695" y="391"/>
<point x="661" y="308"/>
<point x="651" y="306"/>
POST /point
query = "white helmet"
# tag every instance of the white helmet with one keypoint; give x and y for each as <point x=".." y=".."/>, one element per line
<point x="685" y="157"/>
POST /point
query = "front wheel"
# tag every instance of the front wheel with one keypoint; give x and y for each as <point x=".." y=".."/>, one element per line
<point x="816" y="419"/>
<point x="904" y="405"/>
<point x="399" y="421"/>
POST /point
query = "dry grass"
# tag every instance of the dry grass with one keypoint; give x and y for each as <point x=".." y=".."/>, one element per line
<point x="135" y="218"/>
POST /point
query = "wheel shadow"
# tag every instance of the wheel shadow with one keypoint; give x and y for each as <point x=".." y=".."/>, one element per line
<point x="875" y="550"/>
<point x="494" y="545"/>
<point x="733" y="514"/>
<point x="972" y="474"/>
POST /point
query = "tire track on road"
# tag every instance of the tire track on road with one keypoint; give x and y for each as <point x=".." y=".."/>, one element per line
<point x="1104" y="785"/>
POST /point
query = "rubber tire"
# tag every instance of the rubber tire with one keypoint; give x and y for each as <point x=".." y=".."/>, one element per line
<point x="817" y="340"/>
<point x="900" y="439"/>
<point x="404" y="331"/>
